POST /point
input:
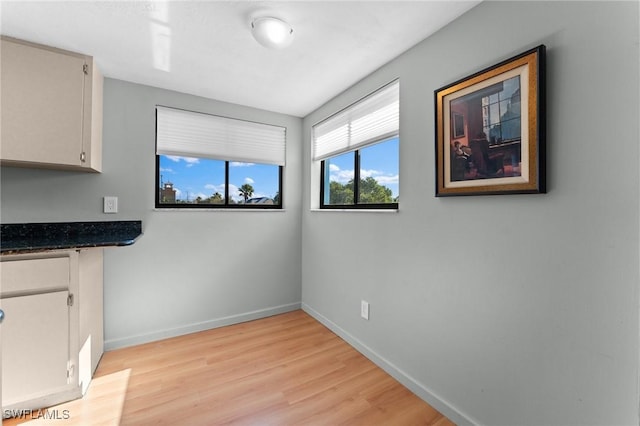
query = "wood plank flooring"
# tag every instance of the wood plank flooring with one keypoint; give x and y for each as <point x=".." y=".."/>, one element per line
<point x="282" y="370"/>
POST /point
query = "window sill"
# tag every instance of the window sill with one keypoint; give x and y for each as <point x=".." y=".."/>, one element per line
<point x="228" y="210"/>
<point x="356" y="210"/>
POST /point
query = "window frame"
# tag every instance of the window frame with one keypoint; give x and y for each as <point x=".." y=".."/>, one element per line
<point x="489" y="126"/>
<point x="356" y="183"/>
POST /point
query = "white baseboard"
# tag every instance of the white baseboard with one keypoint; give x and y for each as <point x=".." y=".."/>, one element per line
<point x="201" y="326"/>
<point x="416" y="387"/>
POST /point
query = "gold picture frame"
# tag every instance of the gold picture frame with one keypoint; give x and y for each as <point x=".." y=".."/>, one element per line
<point x="501" y="147"/>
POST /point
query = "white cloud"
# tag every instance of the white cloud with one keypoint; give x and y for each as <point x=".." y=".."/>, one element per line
<point x="196" y="195"/>
<point x="233" y="193"/>
<point x="380" y="177"/>
<point x="367" y="173"/>
<point x="344" y="176"/>
<point x="215" y="188"/>
<point x="387" y="180"/>
<point x="341" y="176"/>
<point x="189" y="195"/>
<point x="210" y="189"/>
<point x="162" y="169"/>
<point x="239" y="164"/>
<point x="249" y="180"/>
<point x="190" y="161"/>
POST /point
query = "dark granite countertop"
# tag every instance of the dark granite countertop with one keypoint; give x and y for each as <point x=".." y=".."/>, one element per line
<point x="31" y="237"/>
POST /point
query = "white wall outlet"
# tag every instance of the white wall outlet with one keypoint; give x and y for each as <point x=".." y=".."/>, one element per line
<point x="110" y="204"/>
<point x="364" y="309"/>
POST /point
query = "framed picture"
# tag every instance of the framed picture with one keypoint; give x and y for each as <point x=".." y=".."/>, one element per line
<point x="490" y="130"/>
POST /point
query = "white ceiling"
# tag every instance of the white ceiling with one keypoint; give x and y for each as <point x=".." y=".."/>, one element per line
<point x="205" y="48"/>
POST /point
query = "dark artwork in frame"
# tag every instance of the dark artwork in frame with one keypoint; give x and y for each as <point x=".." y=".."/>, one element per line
<point x="490" y="129"/>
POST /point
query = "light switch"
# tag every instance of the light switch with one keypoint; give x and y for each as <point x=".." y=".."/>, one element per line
<point x="364" y="309"/>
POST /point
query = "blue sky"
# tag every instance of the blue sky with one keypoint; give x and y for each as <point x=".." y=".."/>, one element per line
<point x="197" y="177"/>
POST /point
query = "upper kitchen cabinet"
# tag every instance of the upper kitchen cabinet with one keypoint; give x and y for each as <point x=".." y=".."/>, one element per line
<point x="51" y="114"/>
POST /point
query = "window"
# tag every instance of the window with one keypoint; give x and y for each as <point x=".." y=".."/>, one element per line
<point x="501" y="113"/>
<point x="358" y="152"/>
<point x="206" y="161"/>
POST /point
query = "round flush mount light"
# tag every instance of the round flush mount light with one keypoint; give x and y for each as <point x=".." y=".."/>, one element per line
<point x="272" y="32"/>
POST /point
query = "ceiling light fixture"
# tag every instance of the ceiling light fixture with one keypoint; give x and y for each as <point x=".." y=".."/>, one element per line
<point x="272" y="32"/>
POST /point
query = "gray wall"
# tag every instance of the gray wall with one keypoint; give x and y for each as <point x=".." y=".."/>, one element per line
<point x="501" y="310"/>
<point x="190" y="270"/>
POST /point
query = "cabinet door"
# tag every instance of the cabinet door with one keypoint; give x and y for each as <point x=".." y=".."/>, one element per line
<point x="42" y="105"/>
<point x="35" y="346"/>
<point x="21" y="276"/>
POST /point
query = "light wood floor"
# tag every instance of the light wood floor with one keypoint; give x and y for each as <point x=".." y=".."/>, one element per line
<point x="283" y="370"/>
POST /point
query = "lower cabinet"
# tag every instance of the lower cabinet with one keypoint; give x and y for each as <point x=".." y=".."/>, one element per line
<point x="35" y="347"/>
<point x="52" y="333"/>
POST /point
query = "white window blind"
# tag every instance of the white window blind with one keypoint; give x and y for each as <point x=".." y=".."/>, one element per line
<point x="193" y="134"/>
<point x="372" y="119"/>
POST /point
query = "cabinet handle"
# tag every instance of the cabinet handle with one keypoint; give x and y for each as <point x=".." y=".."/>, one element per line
<point x="83" y="157"/>
<point x="1" y="315"/>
